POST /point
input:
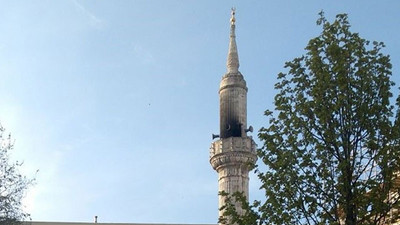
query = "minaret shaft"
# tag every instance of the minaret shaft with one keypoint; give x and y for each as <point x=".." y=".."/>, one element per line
<point x="234" y="153"/>
<point x="233" y="106"/>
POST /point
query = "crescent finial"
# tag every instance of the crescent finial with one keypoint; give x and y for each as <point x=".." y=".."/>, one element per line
<point x="233" y="15"/>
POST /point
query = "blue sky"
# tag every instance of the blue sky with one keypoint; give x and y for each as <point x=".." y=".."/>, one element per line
<point x="115" y="101"/>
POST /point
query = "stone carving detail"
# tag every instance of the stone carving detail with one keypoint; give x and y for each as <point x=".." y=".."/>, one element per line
<point x="232" y="151"/>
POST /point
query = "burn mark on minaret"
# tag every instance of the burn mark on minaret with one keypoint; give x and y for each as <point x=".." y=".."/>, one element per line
<point x="231" y="128"/>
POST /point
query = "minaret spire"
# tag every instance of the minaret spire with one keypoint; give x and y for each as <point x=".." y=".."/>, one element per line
<point x="232" y="63"/>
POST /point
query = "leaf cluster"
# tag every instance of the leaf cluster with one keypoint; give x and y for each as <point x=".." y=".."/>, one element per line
<point x="12" y="185"/>
<point x="248" y="214"/>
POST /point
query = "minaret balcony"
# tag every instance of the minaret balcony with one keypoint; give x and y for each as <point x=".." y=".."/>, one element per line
<point x="233" y="151"/>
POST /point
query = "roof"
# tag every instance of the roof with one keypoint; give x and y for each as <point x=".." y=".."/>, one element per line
<point x="87" y="223"/>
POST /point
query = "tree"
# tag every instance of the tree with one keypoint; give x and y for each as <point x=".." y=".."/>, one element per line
<point x="332" y="147"/>
<point x="12" y="185"/>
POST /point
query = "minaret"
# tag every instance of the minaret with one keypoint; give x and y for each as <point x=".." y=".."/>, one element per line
<point x="234" y="152"/>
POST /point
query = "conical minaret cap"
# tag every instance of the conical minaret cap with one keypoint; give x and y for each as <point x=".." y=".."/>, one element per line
<point x="232" y="63"/>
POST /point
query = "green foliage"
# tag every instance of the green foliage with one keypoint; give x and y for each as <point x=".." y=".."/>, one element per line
<point x="233" y="202"/>
<point x="332" y="148"/>
<point x="12" y="185"/>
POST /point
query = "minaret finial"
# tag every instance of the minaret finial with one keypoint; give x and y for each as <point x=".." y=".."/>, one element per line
<point x="233" y="57"/>
<point x="233" y="15"/>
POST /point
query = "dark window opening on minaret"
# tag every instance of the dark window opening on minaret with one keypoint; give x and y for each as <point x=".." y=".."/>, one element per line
<point x="231" y="128"/>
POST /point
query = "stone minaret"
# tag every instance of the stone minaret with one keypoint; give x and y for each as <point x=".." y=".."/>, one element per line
<point x="234" y="153"/>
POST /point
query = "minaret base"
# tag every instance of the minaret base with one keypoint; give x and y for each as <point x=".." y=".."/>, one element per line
<point x="232" y="158"/>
